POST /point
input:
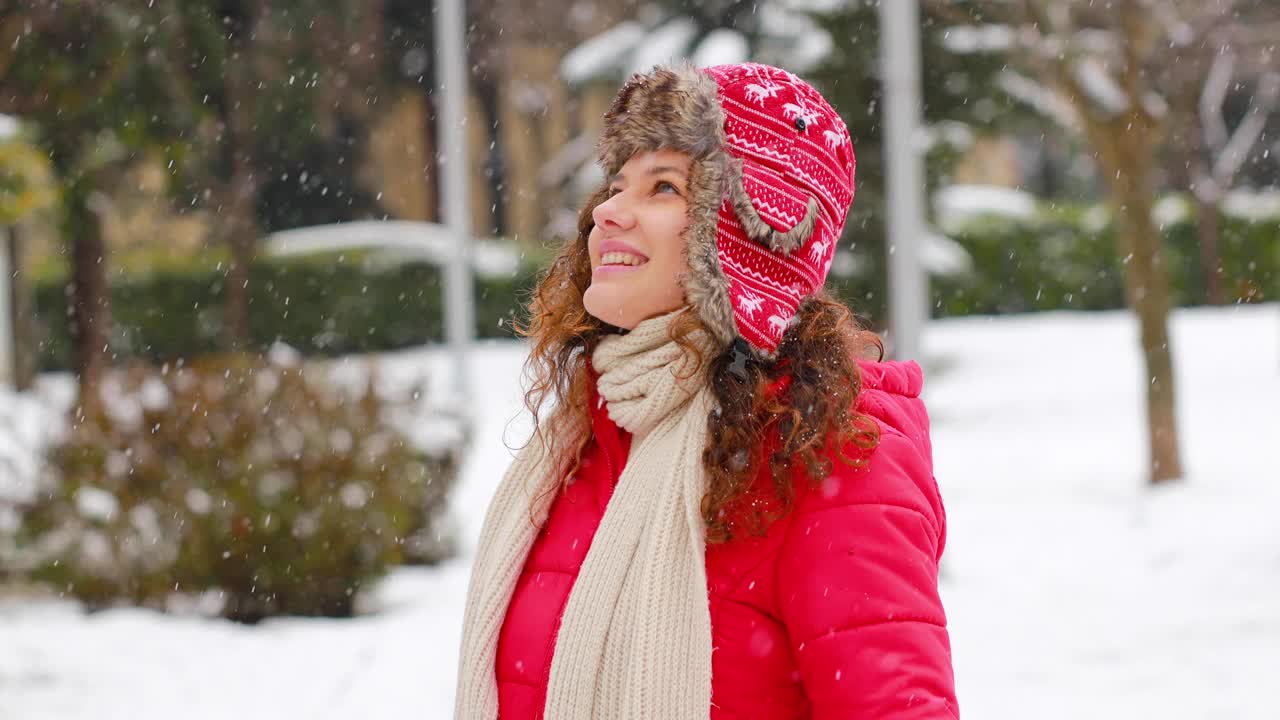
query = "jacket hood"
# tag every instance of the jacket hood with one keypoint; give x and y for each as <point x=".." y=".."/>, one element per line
<point x="891" y="395"/>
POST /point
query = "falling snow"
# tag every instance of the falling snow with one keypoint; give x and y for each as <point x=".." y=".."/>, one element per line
<point x="1064" y="578"/>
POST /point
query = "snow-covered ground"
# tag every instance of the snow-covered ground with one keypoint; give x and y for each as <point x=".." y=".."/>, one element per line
<point x="1072" y="590"/>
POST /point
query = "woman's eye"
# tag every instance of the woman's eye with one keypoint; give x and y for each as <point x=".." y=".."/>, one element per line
<point x="613" y="191"/>
<point x="664" y="186"/>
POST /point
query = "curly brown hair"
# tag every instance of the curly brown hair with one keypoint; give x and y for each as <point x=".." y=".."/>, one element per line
<point x="803" y="404"/>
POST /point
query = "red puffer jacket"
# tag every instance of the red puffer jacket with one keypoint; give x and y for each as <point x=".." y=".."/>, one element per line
<point x="833" y="614"/>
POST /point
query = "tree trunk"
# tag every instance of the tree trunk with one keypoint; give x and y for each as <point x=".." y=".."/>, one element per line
<point x="242" y="238"/>
<point x="1127" y="158"/>
<point x="25" y="357"/>
<point x="89" y="301"/>
<point x="1190" y="172"/>
<point x="240" y="199"/>
<point x="1209" y="228"/>
<point x="431" y="171"/>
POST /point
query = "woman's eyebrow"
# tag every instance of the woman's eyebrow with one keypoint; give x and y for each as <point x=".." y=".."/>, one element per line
<point x="658" y="170"/>
<point x="666" y="169"/>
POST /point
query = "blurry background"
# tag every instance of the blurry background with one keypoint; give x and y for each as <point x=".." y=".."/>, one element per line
<point x="242" y="471"/>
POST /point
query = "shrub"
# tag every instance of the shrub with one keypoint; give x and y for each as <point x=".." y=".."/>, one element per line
<point x="258" y="481"/>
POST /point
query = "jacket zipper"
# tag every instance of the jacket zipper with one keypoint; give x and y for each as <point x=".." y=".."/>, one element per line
<point x="608" y="458"/>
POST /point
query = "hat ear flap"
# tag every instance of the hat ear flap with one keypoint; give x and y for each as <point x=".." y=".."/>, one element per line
<point x="767" y="207"/>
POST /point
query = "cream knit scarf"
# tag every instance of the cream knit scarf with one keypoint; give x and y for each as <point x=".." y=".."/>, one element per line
<point x="635" y="638"/>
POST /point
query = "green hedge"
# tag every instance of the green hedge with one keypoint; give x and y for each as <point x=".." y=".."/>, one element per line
<point x="1064" y="258"/>
<point x="319" y="305"/>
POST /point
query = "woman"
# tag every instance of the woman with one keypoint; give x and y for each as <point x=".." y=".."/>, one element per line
<point x="727" y="513"/>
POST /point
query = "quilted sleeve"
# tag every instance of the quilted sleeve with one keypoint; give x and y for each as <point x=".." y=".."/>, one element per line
<point x="858" y="590"/>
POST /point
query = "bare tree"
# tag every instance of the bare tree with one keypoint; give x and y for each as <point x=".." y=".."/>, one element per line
<point x="238" y="192"/>
<point x="1223" y="51"/>
<point x="74" y="99"/>
<point x="1098" y="63"/>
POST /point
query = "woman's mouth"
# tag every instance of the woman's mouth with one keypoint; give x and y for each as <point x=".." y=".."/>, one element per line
<point x="614" y="262"/>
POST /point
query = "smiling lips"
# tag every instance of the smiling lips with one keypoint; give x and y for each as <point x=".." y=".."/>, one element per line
<point x="621" y="258"/>
<point x="616" y="255"/>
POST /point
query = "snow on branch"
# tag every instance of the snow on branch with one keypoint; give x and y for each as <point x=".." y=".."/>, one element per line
<point x="1216" y="85"/>
<point x="1250" y="129"/>
<point x="1099" y="87"/>
<point x="1043" y="100"/>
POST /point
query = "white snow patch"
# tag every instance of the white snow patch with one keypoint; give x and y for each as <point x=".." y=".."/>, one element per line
<point x="9" y="126"/>
<point x="1171" y="210"/>
<point x="1065" y="576"/>
<point x="966" y="39"/>
<point x="1253" y="205"/>
<point x="956" y="205"/>
<point x="948" y="132"/>
<point x="600" y="56"/>
<point x="721" y="46"/>
<point x="667" y="43"/>
<point x="794" y="40"/>
<point x="29" y="422"/>
<point x="96" y="504"/>
<point x="944" y="256"/>
<point x="812" y="6"/>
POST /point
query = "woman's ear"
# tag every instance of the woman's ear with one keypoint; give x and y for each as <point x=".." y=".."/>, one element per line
<point x="767" y="206"/>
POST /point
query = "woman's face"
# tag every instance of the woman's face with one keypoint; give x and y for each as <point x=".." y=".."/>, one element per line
<point x="637" y="245"/>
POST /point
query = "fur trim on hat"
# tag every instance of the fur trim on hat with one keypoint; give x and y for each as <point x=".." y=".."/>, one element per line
<point x="706" y="285"/>
<point x="667" y="109"/>
<point x="755" y="226"/>
<point x="679" y="109"/>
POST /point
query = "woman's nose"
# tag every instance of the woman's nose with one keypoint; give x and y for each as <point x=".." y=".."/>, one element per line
<point x="614" y="213"/>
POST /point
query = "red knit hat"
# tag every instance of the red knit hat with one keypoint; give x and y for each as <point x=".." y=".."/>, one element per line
<point x="771" y="180"/>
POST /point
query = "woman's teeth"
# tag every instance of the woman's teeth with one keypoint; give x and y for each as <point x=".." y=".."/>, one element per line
<point x="620" y="258"/>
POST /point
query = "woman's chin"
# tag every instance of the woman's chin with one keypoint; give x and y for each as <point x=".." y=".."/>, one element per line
<point x="607" y="306"/>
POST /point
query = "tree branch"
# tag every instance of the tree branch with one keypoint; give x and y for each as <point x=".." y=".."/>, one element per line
<point x="1216" y="84"/>
<point x="1248" y="131"/>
